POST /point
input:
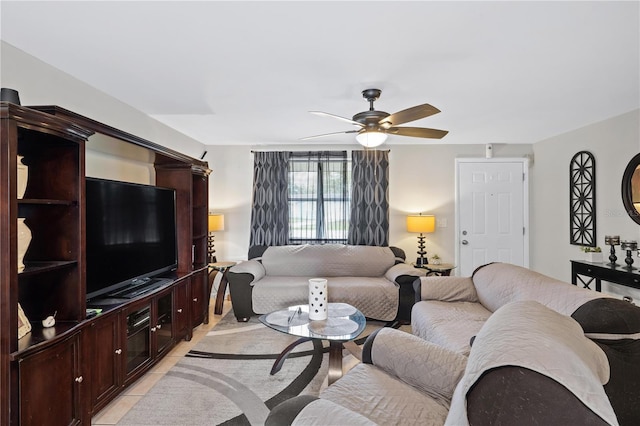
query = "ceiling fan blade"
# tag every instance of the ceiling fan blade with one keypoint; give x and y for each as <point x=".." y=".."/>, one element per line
<point x="348" y="120"/>
<point x="328" y="134"/>
<point x="418" y="132"/>
<point x="409" y="114"/>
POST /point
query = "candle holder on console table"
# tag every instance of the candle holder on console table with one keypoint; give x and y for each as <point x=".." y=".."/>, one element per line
<point x="629" y="246"/>
<point x="613" y="241"/>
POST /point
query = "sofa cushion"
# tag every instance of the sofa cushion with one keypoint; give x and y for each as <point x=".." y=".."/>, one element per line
<point x="609" y="319"/>
<point x="448" y="324"/>
<point x="530" y="335"/>
<point x="376" y="298"/>
<point x="384" y="399"/>
<point x="424" y="365"/>
<point x="330" y="260"/>
<point x="308" y="410"/>
<point x="615" y="326"/>
<point x="448" y="289"/>
<point x="500" y="283"/>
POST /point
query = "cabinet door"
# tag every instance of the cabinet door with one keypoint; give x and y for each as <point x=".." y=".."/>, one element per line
<point x="50" y="385"/>
<point x="106" y="359"/>
<point x="199" y="298"/>
<point x="137" y="323"/>
<point x="181" y="308"/>
<point x="162" y="329"/>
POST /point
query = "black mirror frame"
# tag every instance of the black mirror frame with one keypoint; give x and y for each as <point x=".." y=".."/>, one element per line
<point x="627" y="199"/>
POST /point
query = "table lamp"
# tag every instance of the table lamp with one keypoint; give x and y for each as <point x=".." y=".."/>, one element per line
<point x="423" y="224"/>
<point x="216" y="223"/>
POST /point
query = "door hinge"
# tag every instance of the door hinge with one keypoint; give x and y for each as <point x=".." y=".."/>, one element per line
<point x="523" y="231"/>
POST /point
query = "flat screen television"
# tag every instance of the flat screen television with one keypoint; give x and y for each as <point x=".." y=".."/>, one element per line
<point x="130" y="234"/>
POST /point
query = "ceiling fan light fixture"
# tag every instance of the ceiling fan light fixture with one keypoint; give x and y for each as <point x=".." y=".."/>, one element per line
<point x="371" y="138"/>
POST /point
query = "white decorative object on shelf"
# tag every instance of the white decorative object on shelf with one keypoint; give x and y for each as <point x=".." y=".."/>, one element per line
<point x="23" y="177"/>
<point x="318" y="299"/>
<point x="24" y="239"/>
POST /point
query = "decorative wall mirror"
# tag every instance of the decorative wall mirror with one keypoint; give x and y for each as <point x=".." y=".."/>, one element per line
<point x="631" y="189"/>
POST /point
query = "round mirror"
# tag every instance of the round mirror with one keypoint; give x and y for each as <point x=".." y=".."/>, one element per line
<point x="631" y="189"/>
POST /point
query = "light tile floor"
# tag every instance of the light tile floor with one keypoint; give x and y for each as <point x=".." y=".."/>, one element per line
<point x="113" y="412"/>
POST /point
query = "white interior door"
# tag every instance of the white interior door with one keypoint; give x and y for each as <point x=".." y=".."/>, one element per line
<point x="491" y="212"/>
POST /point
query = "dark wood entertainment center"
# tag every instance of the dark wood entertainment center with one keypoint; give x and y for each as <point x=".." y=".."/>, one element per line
<point x="65" y="374"/>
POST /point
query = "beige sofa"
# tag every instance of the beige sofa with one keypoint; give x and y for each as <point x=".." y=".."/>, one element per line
<point x="528" y="365"/>
<point x="373" y="279"/>
<point x="452" y="310"/>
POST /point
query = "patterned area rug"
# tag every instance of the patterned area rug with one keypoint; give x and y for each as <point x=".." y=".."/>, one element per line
<point x="225" y="379"/>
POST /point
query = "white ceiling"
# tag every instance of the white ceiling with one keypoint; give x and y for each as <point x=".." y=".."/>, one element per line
<point x="248" y="72"/>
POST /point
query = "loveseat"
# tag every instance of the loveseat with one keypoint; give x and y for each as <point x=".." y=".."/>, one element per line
<point x="452" y="310"/>
<point x="528" y="365"/>
<point x="373" y="279"/>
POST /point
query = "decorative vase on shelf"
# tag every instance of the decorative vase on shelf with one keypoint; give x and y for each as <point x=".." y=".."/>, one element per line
<point x="318" y="299"/>
<point x="23" y="176"/>
<point x="24" y="239"/>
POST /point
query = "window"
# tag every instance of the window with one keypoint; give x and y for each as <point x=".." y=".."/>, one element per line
<point x="319" y="197"/>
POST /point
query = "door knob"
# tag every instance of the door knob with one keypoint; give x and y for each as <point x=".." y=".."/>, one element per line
<point x="465" y="242"/>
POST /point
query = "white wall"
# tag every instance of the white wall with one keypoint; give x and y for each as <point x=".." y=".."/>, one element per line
<point x="421" y="180"/>
<point x="41" y="84"/>
<point x="613" y="143"/>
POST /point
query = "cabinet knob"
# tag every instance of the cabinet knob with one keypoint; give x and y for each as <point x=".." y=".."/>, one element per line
<point x="195" y="299"/>
<point x="79" y="379"/>
<point x="180" y="310"/>
<point x="159" y="326"/>
<point x="118" y="351"/>
<point x="153" y="329"/>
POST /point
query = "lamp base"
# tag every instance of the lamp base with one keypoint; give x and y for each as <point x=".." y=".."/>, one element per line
<point x="421" y="261"/>
<point x="211" y="257"/>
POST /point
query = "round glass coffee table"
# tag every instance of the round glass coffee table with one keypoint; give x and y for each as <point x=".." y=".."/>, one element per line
<point x="343" y="324"/>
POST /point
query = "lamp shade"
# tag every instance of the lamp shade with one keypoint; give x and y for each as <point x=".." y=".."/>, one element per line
<point x="216" y="222"/>
<point x="421" y="223"/>
<point x="371" y="139"/>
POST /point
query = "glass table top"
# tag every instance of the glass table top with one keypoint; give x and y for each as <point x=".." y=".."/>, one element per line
<point x="344" y="322"/>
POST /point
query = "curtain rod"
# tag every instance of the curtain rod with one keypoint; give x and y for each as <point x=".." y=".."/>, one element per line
<point x="369" y="150"/>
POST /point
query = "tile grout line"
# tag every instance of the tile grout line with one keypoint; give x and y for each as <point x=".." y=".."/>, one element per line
<point x="120" y="406"/>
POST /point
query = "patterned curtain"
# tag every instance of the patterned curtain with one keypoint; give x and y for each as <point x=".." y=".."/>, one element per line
<point x="369" y="223"/>
<point x="269" y="210"/>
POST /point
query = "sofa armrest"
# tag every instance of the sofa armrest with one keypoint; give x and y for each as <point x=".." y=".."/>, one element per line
<point x="241" y="279"/>
<point x="252" y="267"/>
<point x="310" y="410"/>
<point x="403" y="273"/>
<point x="448" y="289"/>
<point x="429" y="367"/>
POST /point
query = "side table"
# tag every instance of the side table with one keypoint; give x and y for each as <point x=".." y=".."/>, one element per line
<point x="214" y="269"/>
<point x="441" y="269"/>
<point x="408" y="292"/>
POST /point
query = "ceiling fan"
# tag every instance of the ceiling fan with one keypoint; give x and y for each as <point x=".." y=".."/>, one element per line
<point x="374" y="126"/>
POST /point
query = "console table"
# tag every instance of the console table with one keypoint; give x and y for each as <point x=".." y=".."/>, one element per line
<point x="599" y="272"/>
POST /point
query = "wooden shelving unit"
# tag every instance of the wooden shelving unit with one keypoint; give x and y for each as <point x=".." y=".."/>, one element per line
<point x="68" y="372"/>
